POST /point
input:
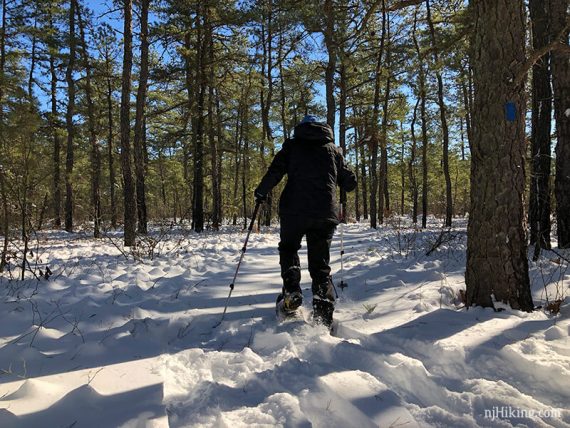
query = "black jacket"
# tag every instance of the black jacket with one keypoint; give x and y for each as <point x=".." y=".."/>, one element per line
<point x="314" y="167"/>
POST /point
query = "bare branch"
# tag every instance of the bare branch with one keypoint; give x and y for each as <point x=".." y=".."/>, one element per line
<point x="395" y="6"/>
<point x="557" y="45"/>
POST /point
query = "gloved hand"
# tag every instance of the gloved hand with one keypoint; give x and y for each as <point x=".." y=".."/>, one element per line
<point x="260" y="198"/>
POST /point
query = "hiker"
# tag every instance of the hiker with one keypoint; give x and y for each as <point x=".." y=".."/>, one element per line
<point x="307" y="207"/>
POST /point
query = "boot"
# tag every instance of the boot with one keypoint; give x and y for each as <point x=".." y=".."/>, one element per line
<point x="291" y="296"/>
<point x="289" y="302"/>
<point x="323" y="302"/>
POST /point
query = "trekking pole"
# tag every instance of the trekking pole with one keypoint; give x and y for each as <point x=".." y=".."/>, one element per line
<point x="343" y="284"/>
<point x="243" y="250"/>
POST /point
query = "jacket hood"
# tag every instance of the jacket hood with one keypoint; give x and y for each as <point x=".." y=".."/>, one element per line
<point x="314" y="133"/>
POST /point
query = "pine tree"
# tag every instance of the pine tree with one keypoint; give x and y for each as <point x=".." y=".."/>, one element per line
<point x="497" y="265"/>
<point x="130" y="211"/>
<point x="139" y="146"/>
<point x="560" y="31"/>
<point x="70" y="155"/>
<point x="539" y="200"/>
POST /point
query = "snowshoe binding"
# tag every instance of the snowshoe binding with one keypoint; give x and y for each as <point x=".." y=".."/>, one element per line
<point x="287" y="304"/>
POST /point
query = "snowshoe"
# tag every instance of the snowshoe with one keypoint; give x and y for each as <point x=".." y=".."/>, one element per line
<point x="316" y="321"/>
<point x="323" y="311"/>
<point x="286" y="305"/>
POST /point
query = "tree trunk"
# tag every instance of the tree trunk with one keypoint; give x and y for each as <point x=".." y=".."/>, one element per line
<point x="161" y="176"/>
<point x="198" y="134"/>
<point x="95" y="154"/>
<point x="130" y="206"/>
<point x="497" y="264"/>
<point x="561" y="86"/>
<point x="373" y="134"/>
<point x="412" y="165"/>
<point x="423" y="117"/>
<point x="383" y="192"/>
<point x="69" y="159"/>
<point x="32" y="66"/>
<point x="110" y="150"/>
<point x="283" y="100"/>
<point x="443" y="118"/>
<point x="330" y="44"/>
<point x="363" y="176"/>
<point x="25" y="206"/>
<point x="357" y="173"/>
<point x="266" y="72"/>
<point x="342" y="125"/>
<point x="3" y="190"/>
<point x="425" y="161"/>
<point x="216" y="220"/>
<point x="245" y="170"/>
<point x="237" y="155"/>
<point x="217" y="153"/>
<point x="539" y="204"/>
<point x="138" y="142"/>
<point x="403" y="170"/>
<point x="267" y="97"/>
<point x="467" y="106"/>
<point x="190" y="70"/>
<point x="54" y="124"/>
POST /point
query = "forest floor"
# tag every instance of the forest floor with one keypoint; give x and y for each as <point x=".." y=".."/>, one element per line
<point x="127" y="339"/>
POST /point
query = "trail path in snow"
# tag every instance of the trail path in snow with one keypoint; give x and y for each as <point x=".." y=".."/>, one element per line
<point x="132" y="344"/>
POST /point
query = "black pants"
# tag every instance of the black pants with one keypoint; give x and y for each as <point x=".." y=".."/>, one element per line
<point x="319" y="234"/>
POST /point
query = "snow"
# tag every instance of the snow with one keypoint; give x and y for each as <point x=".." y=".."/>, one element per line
<point x="113" y="342"/>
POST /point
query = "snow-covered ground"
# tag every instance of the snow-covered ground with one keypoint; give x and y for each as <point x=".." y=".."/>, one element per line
<point x="111" y="341"/>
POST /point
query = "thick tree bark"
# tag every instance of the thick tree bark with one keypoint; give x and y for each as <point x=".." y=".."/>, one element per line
<point x="95" y="153"/>
<point x="69" y="158"/>
<point x="138" y="142"/>
<point x="444" y="126"/>
<point x="561" y="86"/>
<point x="130" y="206"/>
<point x="497" y="264"/>
<point x="539" y="204"/>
